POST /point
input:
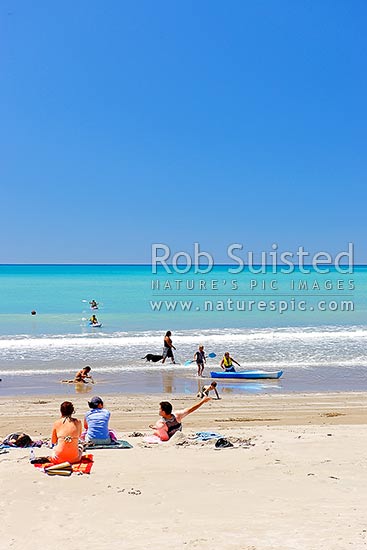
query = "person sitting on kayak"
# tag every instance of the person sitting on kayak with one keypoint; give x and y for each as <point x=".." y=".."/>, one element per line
<point x="93" y="304"/>
<point x="93" y="320"/>
<point x="227" y="363"/>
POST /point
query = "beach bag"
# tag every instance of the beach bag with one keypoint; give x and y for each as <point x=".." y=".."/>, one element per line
<point x="18" y="440"/>
<point x="222" y="443"/>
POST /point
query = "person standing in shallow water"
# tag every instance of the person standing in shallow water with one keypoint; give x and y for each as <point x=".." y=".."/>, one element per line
<point x="200" y="359"/>
<point x="168" y="347"/>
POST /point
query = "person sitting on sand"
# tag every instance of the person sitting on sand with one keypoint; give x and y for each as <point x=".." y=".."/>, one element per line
<point x="81" y="376"/>
<point x="96" y="423"/>
<point x="206" y="389"/>
<point x="65" y="435"/>
<point x="200" y="359"/>
<point x="227" y="363"/>
<point x="84" y="376"/>
<point x="170" y="423"/>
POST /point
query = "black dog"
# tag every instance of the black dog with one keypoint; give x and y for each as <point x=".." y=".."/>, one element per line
<point x="152" y="357"/>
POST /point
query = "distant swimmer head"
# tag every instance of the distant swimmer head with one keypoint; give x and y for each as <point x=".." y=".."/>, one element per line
<point x="33" y="312"/>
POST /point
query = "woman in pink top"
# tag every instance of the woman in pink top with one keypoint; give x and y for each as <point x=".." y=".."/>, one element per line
<point x="65" y="434"/>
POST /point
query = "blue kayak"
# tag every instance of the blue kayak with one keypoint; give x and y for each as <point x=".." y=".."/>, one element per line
<point x="248" y="374"/>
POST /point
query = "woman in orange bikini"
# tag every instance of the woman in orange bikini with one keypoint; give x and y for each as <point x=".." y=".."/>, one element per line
<point x="65" y="434"/>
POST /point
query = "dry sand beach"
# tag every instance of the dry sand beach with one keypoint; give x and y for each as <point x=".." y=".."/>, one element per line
<point x="296" y="478"/>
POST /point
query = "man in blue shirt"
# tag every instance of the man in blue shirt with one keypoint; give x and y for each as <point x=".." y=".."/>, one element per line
<point x="96" y="423"/>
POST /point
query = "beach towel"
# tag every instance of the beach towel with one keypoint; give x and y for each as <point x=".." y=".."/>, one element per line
<point x="118" y="444"/>
<point x="82" y="467"/>
<point x="206" y="436"/>
<point x="152" y="439"/>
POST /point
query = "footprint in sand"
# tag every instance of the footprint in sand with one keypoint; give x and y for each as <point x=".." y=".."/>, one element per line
<point x="134" y="492"/>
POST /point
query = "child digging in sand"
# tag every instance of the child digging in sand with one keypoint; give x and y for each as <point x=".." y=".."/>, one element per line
<point x="204" y="392"/>
<point x="81" y="376"/>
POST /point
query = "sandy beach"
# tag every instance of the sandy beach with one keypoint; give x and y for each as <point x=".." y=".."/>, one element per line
<point x="183" y="205"/>
<point x="296" y="477"/>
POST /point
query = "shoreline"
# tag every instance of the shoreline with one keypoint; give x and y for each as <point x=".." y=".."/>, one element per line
<point x="177" y="380"/>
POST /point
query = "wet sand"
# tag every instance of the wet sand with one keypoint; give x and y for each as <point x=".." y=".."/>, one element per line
<point x="183" y="380"/>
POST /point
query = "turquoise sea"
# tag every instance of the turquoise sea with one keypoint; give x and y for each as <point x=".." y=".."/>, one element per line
<point x="313" y="326"/>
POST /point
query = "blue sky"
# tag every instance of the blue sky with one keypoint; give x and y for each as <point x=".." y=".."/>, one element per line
<point x="127" y="123"/>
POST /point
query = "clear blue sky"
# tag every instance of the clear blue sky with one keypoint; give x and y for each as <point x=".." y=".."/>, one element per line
<point x="127" y="123"/>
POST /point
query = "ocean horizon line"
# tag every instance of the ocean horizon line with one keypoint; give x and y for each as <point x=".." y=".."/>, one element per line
<point x="150" y="265"/>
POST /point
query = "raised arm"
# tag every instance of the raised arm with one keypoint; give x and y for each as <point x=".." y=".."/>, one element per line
<point x="181" y="414"/>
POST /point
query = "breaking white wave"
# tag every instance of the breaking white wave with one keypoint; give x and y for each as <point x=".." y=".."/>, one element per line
<point x="122" y="351"/>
